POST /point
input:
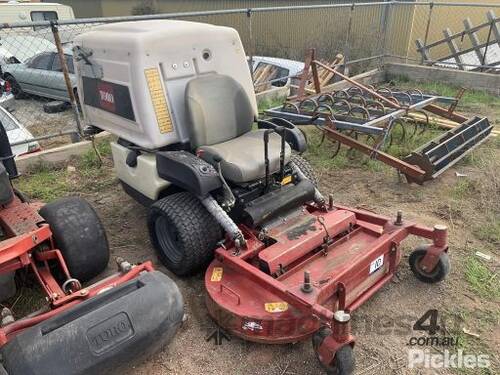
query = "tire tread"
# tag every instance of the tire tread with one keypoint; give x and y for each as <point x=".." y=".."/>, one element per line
<point x="198" y="230"/>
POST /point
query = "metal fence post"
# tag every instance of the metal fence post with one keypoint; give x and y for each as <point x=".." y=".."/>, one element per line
<point x="347" y="50"/>
<point x="485" y="54"/>
<point x="385" y="18"/>
<point x="75" y="137"/>
<point x="427" y="29"/>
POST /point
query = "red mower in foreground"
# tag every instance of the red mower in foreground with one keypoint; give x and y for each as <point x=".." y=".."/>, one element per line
<point x="288" y="263"/>
<point x="306" y="274"/>
<point x="94" y="329"/>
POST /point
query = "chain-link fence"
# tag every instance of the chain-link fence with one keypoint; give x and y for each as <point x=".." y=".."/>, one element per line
<point x="366" y="34"/>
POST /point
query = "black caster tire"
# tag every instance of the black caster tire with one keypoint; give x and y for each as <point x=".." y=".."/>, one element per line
<point x="183" y="233"/>
<point x="343" y="362"/>
<point x="439" y="272"/>
<point x="79" y="235"/>
<point x="306" y="168"/>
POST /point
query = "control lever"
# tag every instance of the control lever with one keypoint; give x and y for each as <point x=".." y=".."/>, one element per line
<point x="229" y="199"/>
<point x="281" y="132"/>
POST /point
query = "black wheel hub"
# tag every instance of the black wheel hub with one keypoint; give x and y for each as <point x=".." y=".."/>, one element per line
<point x="168" y="239"/>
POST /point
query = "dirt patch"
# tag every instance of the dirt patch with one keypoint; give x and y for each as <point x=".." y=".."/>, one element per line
<point x="29" y="112"/>
<point x="382" y="326"/>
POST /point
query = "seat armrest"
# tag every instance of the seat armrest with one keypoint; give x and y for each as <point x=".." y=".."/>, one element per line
<point x="293" y="135"/>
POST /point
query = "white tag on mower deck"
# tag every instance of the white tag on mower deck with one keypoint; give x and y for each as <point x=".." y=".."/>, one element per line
<point x="376" y="264"/>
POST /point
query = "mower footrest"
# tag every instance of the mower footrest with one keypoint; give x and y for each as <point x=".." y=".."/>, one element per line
<point x="103" y="334"/>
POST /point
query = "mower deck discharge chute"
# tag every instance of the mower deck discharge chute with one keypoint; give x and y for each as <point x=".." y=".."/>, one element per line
<point x="288" y="263"/>
<point x="94" y="329"/>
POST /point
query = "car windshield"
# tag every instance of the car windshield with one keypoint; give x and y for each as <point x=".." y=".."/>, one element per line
<point x="7" y="121"/>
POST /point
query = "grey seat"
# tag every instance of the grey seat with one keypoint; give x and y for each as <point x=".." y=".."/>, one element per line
<point x="220" y="127"/>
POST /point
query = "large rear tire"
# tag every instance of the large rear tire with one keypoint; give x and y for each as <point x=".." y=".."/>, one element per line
<point x="306" y="168"/>
<point x="183" y="233"/>
<point x="79" y="235"/>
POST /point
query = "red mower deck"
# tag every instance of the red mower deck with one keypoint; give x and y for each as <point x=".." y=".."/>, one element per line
<point x="294" y="278"/>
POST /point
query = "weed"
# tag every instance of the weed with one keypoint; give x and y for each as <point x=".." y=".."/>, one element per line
<point x="90" y="158"/>
<point x="463" y="188"/>
<point x="266" y="104"/>
<point x="471" y="98"/>
<point x="496" y="141"/>
<point x="481" y="279"/>
<point x="480" y="321"/>
<point x="46" y="184"/>
<point x="489" y="231"/>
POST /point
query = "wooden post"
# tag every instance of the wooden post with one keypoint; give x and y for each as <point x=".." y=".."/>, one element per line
<point x="314" y="68"/>
<point x="455" y="51"/>
<point x="305" y="73"/>
<point x="423" y="50"/>
<point x="425" y="53"/>
<point x="474" y="40"/>
<point x="495" y="29"/>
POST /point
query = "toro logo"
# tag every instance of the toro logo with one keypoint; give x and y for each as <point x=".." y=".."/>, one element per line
<point x="106" y="96"/>
<point x="109" y="333"/>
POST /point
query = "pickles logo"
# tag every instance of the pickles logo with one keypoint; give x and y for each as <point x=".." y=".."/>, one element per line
<point x="106" y="96"/>
<point x="109" y="333"/>
<point x="446" y="353"/>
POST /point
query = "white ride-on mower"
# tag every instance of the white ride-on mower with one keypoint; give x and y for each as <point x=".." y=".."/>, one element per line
<point x="285" y="264"/>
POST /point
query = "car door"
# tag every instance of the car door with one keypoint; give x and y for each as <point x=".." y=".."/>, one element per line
<point x="36" y="76"/>
<point x="59" y="84"/>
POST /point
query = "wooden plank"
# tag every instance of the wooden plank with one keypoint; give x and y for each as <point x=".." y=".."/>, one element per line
<point x="474" y="40"/>
<point x="339" y="59"/>
<point x="450" y="37"/>
<point x="305" y="73"/>
<point x="442" y="123"/>
<point x="495" y="30"/>
<point x="325" y="76"/>
<point x="314" y="68"/>
<point x="455" y="51"/>
<point x="424" y="51"/>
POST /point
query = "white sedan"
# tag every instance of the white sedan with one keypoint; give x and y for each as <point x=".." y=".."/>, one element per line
<point x="17" y="133"/>
<point x="286" y="68"/>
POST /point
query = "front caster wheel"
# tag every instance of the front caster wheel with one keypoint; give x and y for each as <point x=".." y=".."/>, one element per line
<point x="343" y="361"/>
<point x="436" y="275"/>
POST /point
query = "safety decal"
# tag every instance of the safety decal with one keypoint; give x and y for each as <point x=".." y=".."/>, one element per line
<point x="217" y="274"/>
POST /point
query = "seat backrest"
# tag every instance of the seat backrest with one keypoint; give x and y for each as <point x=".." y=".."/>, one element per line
<point x="218" y="110"/>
